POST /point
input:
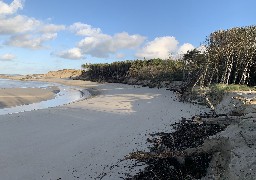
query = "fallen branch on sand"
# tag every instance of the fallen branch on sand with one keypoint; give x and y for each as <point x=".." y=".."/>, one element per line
<point x="209" y="146"/>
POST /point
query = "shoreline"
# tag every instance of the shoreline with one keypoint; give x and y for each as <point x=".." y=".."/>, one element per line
<point x="37" y="95"/>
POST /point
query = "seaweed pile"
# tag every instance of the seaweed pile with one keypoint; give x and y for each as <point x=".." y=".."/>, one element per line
<point x="174" y="155"/>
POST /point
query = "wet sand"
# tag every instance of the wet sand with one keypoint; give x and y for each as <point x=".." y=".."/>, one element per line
<point x="11" y="97"/>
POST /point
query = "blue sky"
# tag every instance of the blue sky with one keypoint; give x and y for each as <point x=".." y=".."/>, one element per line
<point x="37" y="36"/>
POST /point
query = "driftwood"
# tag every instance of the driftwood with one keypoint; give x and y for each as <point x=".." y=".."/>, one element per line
<point x="209" y="146"/>
<point x="221" y="121"/>
<point x="147" y="155"/>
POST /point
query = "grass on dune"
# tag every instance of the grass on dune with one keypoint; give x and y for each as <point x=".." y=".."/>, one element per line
<point x="231" y="87"/>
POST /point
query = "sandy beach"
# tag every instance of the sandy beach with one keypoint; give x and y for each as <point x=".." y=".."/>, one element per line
<point x="90" y="138"/>
<point x="83" y="139"/>
<point x="11" y="97"/>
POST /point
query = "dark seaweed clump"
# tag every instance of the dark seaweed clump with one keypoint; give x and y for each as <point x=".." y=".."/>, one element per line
<point x="166" y="159"/>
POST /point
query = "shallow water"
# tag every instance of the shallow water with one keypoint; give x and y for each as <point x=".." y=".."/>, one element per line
<point x="67" y="94"/>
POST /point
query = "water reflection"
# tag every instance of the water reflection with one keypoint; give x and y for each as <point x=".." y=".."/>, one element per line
<point x="67" y="94"/>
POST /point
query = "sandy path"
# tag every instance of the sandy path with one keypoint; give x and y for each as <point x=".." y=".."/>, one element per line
<point x="80" y="139"/>
<point x="10" y="97"/>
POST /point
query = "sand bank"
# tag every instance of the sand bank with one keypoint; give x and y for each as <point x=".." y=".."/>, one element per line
<point x="10" y="97"/>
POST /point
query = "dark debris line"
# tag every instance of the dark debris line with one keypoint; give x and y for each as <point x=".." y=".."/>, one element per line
<point x="165" y="159"/>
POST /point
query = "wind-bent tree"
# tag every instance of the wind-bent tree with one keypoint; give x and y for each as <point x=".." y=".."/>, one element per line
<point x="194" y="64"/>
<point x="230" y="57"/>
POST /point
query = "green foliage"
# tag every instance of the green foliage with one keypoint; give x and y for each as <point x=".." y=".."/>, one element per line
<point x="215" y="92"/>
<point x="85" y="66"/>
<point x="230" y="87"/>
<point x="114" y="72"/>
<point x="195" y="62"/>
<point x="154" y="70"/>
<point x="231" y="57"/>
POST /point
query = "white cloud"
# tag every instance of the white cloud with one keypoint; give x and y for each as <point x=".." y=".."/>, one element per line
<point x="160" y="47"/>
<point x="7" y="57"/>
<point x="185" y="48"/>
<point x="6" y="9"/>
<point x="102" y="45"/>
<point x="202" y="48"/>
<point x="23" y="31"/>
<point x="30" y="41"/>
<point x="124" y="40"/>
<point x="51" y="28"/>
<point x="23" y="24"/>
<point x="17" y="24"/>
<point x="97" y="44"/>
<point x="74" y="53"/>
<point x="84" y="29"/>
<point x="28" y="32"/>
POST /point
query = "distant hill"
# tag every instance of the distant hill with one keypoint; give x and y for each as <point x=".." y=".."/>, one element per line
<point x="64" y="73"/>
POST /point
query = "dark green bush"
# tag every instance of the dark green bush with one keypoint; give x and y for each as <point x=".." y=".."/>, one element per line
<point x="154" y="70"/>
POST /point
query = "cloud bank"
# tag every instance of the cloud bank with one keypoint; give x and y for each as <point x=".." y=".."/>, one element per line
<point x="30" y="33"/>
<point x="97" y="44"/>
<point x="100" y="45"/>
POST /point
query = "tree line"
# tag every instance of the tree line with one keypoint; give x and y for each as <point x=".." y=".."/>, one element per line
<point x="229" y="58"/>
<point x="135" y="71"/>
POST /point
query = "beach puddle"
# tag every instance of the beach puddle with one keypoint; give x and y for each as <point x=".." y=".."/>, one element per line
<point x="64" y="95"/>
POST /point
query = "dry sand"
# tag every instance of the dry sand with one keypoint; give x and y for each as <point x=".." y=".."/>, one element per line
<point x="10" y="97"/>
<point x="85" y="138"/>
